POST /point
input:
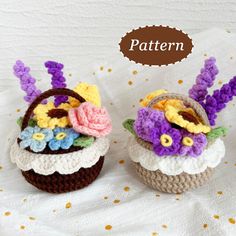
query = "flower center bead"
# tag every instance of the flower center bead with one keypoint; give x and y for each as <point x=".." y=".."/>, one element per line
<point x="60" y="136"/>
<point x="38" y="136"/>
<point x="166" y="140"/>
<point x="187" y="141"/>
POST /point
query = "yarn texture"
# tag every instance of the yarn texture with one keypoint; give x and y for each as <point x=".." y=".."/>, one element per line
<point x="175" y="165"/>
<point x="89" y="92"/>
<point x="90" y="120"/>
<point x="46" y="164"/>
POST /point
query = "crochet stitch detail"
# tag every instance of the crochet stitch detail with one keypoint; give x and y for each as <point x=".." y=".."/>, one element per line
<point x="69" y="163"/>
<point x="216" y="133"/>
<point x="175" y="165"/>
<point x="90" y="120"/>
<point x="89" y="92"/>
<point x="129" y="125"/>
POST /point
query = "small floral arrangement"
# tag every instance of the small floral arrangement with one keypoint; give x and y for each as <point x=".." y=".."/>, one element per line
<point x="173" y="128"/>
<point x="64" y="122"/>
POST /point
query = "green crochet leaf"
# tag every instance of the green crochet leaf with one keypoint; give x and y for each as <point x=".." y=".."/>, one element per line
<point x="216" y="133"/>
<point x="19" y="121"/>
<point x="129" y="125"/>
<point x="83" y="141"/>
<point x="31" y="123"/>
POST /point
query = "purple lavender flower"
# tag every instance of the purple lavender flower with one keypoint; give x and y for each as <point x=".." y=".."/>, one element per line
<point x="192" y="144"/>
<point x="166" y="140"/>
<point x="204" y="80"/>
<point x="147" y="119"/>
<point x="218" y="100"/>
<point x="58" y="80"/>
<point x="27" y="81"/>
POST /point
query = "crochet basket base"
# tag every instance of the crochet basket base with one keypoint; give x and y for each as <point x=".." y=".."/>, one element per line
<point x="172" y="184"/>
<point x="58" y="183"/>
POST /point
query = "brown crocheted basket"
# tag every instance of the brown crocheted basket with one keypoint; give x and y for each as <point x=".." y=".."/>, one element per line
<point x="173" y="183"/>
<point x="56" y="182"/>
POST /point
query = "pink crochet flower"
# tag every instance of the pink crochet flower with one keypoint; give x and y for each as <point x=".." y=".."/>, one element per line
<point x="91" y="120"/>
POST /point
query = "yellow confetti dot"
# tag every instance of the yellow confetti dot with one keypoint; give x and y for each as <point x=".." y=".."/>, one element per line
<point x="68" y="205"/>
<point x="101" y="68"/>
<point x="1" y="190"/>
<point x="216" y="217"/>
<point x="126" y="189"/>
<point x="105" y="197"/>
<point x="205" y="55"/>
<point x="32" y="218"/>
<point x="116" y="201"/>
<point x="109" y="70"/>
<point x="154" y="234"/>
<point x="226" y="162"/>
<point x="220" y="82"/>
<point x="180" y="81"/>
<point x="141" y="99"/>
<point x="164" y="226"/>
<point x="232" y="221"/>
<point x="205" y="226"/>
<point x="1" y="167"/>
<point x="17" y="110"/>
<point x="220" y="193"/>
<point x="108" y="227"/>
<point x="134" y="72"/>
<point x="25" y="200"/>
<point x="7" y="213"/>
<point x="121" y="161"/>
<point x="22" y="227"/>
<point x="130" y="82"/>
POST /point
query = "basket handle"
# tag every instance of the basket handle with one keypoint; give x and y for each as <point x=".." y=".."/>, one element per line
<point x="187" y="101"/>
<point x="45" y="95"/>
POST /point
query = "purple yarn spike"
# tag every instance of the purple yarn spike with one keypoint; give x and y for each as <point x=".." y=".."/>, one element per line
<point x="204" y="80"/>
<point x="58" y="80"/>
<point x="27" y="82"/>
<point x="219" y="99"/>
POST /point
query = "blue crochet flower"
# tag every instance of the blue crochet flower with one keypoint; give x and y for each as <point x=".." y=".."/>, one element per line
<point x="63" y="138"/>
<point x="35" y="138"/>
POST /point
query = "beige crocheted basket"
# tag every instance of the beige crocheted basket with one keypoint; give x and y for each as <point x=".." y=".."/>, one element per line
<point x="173" y="183"/>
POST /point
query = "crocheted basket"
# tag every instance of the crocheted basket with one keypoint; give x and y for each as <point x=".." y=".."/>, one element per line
<point x="175" y="174"/>
<point x="62" y="170"/>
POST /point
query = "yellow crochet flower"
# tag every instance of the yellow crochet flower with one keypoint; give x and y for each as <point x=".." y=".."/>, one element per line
<point x="49" y="116"/>
<point x="89" y="92"/>
<point x="185" y="118"/>
<point x="162" y="104"/>
<point x="150" y="96"/>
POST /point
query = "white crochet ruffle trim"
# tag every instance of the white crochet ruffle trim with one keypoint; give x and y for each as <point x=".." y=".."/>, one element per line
<point x="170" y="165"/>
<point x="46" y="164"/>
